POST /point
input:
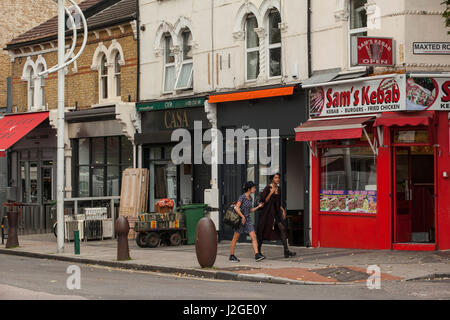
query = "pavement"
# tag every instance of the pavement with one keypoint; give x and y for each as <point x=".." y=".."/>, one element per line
<point x="310" y="266"/>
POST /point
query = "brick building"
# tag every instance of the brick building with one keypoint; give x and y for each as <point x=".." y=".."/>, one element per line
<point x="100" y="91"/>
<point x="18" y="16"/>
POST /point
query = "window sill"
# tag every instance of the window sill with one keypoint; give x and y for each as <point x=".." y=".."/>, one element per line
<point x="353" y="69"/>
<point x="107" y="102"/>
<point x="36" y="109"/>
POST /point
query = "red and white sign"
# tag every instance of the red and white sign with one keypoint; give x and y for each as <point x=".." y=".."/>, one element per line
<point x="375" y="51"/>
<point x="367" y="96"/>
<point x="428" y="94"/>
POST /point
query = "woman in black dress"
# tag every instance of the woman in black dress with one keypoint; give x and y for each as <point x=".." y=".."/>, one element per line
<point x="272" y="224"/>
<point x="244" y="207"/>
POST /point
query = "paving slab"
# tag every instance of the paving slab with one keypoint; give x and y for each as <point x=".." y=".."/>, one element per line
<point x="311" y="265"/>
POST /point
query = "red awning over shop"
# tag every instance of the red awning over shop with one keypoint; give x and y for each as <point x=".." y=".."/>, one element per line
<point x="15" y="127"/>
<point x="331" y="129"/>
<point x="404" y="119"/>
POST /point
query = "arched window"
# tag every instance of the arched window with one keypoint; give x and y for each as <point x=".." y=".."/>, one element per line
<point x="169" y="65"/>
<point x="251" y="48"/>
<point x="41" y="84"/>
<point x="274" y="45"/>
<point x="104" y="77"/>
<point x="31" y="87"/>
<point x="117" y="74"/>
<point x="184" y="78"/>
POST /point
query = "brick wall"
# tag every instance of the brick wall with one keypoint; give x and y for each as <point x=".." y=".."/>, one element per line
<point x="81" y="84"/>
<point x="17" y="17"/>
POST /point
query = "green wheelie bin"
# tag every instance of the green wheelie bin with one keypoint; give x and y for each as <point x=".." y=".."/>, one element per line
<point x="193" y="213"/>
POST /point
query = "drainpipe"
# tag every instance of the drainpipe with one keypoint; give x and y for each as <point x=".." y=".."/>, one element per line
<point x="137" y="150"/>
<point x="213" y="75"/>
<point x="307" y="156"/>
<point x="138" y="71"/>
<point x="309" y="38"/>
<point x="8" y="95"/>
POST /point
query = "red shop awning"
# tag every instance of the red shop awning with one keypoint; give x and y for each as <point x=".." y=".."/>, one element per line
<point x="404" y="119"/>
<point x="15" y="127"/>
<point x="331" y="129"/>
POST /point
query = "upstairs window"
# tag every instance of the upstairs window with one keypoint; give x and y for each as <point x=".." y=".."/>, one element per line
<point x="31" y="89"/>
<point x="251" y="48"/>
<point x="274" y="47"/>
<point x="169" y="65"/>
<point x="185" y="74"/>
<point x="104" y="77"/>
<point x="41" y="88"/>
<point x="357" y="26"/>
<point x="117" y="74"/>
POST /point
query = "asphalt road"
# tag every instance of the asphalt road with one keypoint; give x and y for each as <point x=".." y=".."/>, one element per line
<point x="29" y="278"/>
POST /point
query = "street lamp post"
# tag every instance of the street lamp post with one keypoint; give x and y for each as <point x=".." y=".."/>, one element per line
<point x="63" y="61"/>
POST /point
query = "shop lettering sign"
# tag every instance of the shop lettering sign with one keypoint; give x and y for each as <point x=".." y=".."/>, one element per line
<point x="176" y="119"/>
<point x="368" y="96"/>
<point x="348" y="201"/>
<point x="428" y="94"/>
<point x="435" y="48"/>
<point x="171" y="104"/>
<point x="375" y="51"/>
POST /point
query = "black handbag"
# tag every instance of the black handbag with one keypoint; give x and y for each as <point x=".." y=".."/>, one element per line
<point x="231" y="218"/>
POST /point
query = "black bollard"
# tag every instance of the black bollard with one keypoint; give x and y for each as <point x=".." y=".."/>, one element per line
<point x="122" y="229"/>
<point x="206" y="242"/>
<point x="13" y="240"/>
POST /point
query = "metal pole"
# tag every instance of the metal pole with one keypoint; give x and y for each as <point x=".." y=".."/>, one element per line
<point x="60" y="132"/>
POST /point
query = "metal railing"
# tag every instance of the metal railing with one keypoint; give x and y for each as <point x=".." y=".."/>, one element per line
<point x="33" y="219"/>
<point x="109" y="201"/>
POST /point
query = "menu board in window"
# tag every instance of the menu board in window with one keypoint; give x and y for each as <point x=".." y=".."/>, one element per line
<point x="348" y="201"/>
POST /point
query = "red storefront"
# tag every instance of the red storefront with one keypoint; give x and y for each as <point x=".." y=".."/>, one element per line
<point x="380" y="162"/>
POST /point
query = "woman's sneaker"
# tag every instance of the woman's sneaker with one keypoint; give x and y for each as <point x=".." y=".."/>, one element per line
<point x="233" y="258"/>
<point x="259" y="257"/>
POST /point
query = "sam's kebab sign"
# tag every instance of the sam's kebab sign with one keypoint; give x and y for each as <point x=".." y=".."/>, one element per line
<point x="398" y="93"/>
<point x="370" y="96"/>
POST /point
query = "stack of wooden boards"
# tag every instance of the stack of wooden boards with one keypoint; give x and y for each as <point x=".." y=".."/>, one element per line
<point x="134" y="196"/>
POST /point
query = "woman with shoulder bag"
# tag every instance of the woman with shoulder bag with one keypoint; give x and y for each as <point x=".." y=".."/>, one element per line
<point x="272" y="224"/>
<point x="243" y="208"/>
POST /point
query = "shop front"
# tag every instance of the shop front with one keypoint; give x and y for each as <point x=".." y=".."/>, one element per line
<point x="98" y="148"/>
<point x="184" y="182"/>
<point x="29" y="143"/>
<point x="266" y="108"/>
<point x="380" y="162"/>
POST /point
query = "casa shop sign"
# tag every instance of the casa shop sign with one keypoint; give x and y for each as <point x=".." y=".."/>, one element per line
<point x="375" y="51"/>
<point x="367" y="96"/>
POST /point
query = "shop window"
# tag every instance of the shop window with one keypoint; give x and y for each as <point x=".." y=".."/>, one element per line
<point x="104" y="77"/>
<point x="185" y="74"/>
<point x="348" y="180"/>
<point x="99" y="165"/>
<point x="274" y="47"/>
<point x="251" y="48"/>
<point x="29" y="181"/>
<point x="357" y="27"/>
<point x="411" y="136"/>
<point x="169" y="65"/>
<point x="117" y="70"/>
